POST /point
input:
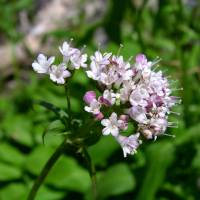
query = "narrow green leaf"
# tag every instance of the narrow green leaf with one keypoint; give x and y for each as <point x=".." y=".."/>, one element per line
<point x="160" y="156"/>
<point x="63" y="116"/>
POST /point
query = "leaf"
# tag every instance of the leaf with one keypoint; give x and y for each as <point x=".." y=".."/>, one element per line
<point x="37" y="158"/>
<point x="117" y="180"/>
<point x="49" y="194"/>
<point x="54" y="127"/>
<point x="160" y="156"/>
<point x="196" y="160"/>
<point x="18" y="128"/>
<point x="8" y="172"/>
<point x="11" y="155"/>
<point x="102" y="150"/>
<point x="68" y="174"/>
<point x="14" y="191"/>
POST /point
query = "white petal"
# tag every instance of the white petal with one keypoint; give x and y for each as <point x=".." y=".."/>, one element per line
<point x="38" y="68"/>
<point x="87" y="109"/>
<point x="113" y="117"/>
<point x="51" y="60"/>
<point x="42" y="58"/>
<point x="115" y="131"/>
<point x="105" y="122"/>
<point x="66" y="74"/>
<point x="106" y="131"/>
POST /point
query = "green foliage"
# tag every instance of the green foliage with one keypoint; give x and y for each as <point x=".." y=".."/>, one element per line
<point x="116" y="180"/>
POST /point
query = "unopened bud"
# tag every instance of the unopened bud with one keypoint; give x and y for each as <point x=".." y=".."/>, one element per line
<point x="89" y="97"/>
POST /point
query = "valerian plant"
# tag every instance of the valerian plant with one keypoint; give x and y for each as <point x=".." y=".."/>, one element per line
<point x="127" y="93"/>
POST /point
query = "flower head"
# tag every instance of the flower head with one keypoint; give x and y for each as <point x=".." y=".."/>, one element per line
<point x="136" y="91"/>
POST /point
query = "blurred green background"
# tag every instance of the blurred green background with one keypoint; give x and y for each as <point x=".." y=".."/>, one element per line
<point x="168" y="169"/>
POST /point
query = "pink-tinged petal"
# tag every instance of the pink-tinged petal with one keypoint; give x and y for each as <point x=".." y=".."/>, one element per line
<point x="113" y="117"/>
<point x="99" y="116"/>
<point x="141" y="58"/>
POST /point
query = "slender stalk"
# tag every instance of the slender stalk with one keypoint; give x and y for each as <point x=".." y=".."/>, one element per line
<point x="92" y="172"/>
<point x="47" y="167"/>
<point x="68" y="100"/>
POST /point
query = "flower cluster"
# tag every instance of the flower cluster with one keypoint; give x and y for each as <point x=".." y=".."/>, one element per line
<point x="133" y="92"/>
<point x="72" y="59"/>
<point x="128" y="92"/>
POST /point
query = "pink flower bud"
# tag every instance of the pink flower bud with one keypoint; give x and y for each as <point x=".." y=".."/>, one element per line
<point x="89" y="97"/>
<point x="141" y="58"/>
<point x="99" y="116"/>
<point x="123" y="122"/>
<point x="124" y="118"/>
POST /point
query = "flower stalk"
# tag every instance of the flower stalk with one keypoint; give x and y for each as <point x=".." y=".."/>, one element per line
<point x="46" y="169"/>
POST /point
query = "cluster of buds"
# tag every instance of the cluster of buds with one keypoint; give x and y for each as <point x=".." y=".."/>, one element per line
<point x="129" y="92"/>
<point x="72" y="59"/>
<point x="133" y="92"/>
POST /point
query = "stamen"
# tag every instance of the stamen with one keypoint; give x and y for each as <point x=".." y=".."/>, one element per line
<point x="99" y="46"/>
<point x="83" y="48"/>
<point x="175" y="113"/>
<point x="169" y="135"/>
<point x="71" y="40"/>
<point x="119" y="50"/>
<point x="176" y="89"/>
<point x="130" y="58"/>
<point x="157" y="60"/>
<point x="156" y="67"/>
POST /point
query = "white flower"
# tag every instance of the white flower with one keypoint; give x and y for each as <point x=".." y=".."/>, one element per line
<point x="100" y="59"/>
<point x="98" y="62"/>
<point x="59" y="73"/>
<point x="66" y="51"/>
<point x="159" y="125"/>
<point x="94" y="107"/>
<point x="111" y="125"/>
<point x="109" y="96"/>
<point x="139" y="97"/>
<point x="142" y="62"/>
<point x="138" y="114"/>
<point x="78" y="60"/>
<point x="122" y="68"/>
<point x="108" y="78"/>
<point x="126" y="89"/>
<point x="129" y="144"/>
<point x="94" y="73"/>
<point x="42" y="65"/>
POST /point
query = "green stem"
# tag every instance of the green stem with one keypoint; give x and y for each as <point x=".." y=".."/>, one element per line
<point x="92" y="172"/>
<point x="68" y="99"/>
<point x="49" y="164"/>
